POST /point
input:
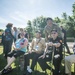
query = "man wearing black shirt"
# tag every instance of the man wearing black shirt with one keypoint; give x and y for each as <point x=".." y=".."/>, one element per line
<point x="55" y="43"/>
<point x="64" y="38"/>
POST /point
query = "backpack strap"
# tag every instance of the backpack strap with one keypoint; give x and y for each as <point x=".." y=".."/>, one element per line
<point x="38" y="41"/>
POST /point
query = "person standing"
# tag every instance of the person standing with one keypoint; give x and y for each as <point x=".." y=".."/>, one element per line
<point x="20" y="31"/>
<point x="8" y="39"/>
<point x="64" y="38"/>
<point x="15" y="33"/>
<point x="26" y="34"/>
<point x="50" y="26"/>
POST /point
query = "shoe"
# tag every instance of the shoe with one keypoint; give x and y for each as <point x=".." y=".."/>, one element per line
<point x="4" y="71"/>
<point x="9" y="69"/>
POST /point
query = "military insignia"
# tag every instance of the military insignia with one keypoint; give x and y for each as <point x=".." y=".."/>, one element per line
<point x="60" y="41"/>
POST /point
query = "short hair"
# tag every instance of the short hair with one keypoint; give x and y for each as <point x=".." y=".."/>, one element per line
<point x="49" y="19"/>
<point x="21" y="29"/>
<point x="38" y="31"/>
<point x="61" y="26"/>
<point x="9" y="25"/>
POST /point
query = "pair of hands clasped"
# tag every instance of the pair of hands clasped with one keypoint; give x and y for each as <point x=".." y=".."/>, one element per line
<point x="50" y="44"/>
<point x="53" y="44"/>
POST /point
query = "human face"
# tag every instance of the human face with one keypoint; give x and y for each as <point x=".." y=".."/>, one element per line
<point x="22" y="35"/>
<point x="49" y="22"/>
<point x="37" y="35"/>
<point x="54" y="34"/>
<point x="21" y="30"/>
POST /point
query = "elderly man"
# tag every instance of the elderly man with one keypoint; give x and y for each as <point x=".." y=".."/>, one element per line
<point x="55" y="45"/>
<point x="36" y="49"/>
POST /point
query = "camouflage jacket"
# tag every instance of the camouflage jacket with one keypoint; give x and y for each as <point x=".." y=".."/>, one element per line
<point x="48" y="30"/>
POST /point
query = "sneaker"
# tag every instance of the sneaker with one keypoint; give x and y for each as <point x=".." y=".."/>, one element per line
<point x="9" y="69"/>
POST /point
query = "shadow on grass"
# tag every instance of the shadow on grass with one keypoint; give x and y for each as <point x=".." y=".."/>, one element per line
<point x="39" y="73"/>
<point x="15" y="66"/>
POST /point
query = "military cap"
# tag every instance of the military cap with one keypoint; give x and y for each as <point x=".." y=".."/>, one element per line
<point x="54" y="30"/>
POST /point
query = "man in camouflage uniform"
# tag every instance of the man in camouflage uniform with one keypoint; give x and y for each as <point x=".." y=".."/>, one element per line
<point x="49" y="27"/>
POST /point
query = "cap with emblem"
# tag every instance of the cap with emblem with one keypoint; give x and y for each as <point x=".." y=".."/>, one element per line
<point x="54" y="30"/>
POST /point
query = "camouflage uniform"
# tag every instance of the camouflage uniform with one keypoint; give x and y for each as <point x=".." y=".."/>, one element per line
<point x="48" y="30"/>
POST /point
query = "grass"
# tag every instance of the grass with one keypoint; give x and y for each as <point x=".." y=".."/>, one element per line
<point x="16" y="70"/>
<point x="15" y="65"/>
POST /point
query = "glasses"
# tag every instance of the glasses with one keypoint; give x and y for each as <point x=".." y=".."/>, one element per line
<point x="53" y="33"/>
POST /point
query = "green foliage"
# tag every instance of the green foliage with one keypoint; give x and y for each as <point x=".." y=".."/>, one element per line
<point x="29" y="30"/>
<point x="1" y="30"/>
<point x="68" y="22"/>
<point x="37" y="24"/>
<point x="57" y="20"/>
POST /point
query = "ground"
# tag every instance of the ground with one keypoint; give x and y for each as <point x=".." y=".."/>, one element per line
<point x="16" y="69"/>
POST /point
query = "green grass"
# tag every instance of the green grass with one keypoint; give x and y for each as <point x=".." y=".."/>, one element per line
<point x="15" y="65"/>
<point x="16" y="70"/>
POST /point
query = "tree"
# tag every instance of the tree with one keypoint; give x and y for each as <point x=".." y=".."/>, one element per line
<point x="29" y="30"/>
<point x="68" y="23"/>
<point x="64" y="15"/>
<point x="57" y="20"/>
<point x="39" y="23"/>
<point x="73" y="6"/>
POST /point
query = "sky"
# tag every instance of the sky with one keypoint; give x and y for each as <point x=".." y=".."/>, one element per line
<point x="19" y="12"/>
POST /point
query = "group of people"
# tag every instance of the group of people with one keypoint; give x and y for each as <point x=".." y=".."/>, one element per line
<point x="10" y="36"/>
<point x="51" y="45"/>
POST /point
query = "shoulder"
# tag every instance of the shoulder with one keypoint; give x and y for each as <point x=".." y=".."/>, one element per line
<point x="63" y="30"/>
<point x="34" y="39"/>
<point x="46" y="27"/>
<point x="42" y="39"/>
<point x="25" y="39"/>
<point x="6" y="30"/>
<point x="55" y="25"/>
<point x="60" y="39"/>
<point x="50" y="39"/>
